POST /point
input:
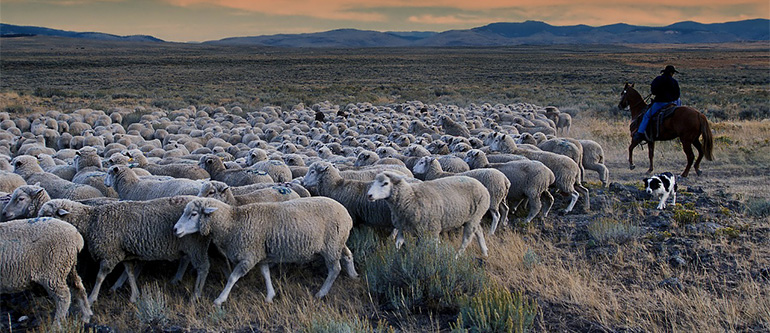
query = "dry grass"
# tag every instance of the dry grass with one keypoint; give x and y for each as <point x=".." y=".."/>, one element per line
<point x="579" y="281"/>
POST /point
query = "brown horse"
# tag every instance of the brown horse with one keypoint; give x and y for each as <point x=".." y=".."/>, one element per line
<point x="686" y="123"/>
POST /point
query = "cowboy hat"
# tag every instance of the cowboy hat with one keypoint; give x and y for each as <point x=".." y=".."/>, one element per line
<point x="669" y="69"/>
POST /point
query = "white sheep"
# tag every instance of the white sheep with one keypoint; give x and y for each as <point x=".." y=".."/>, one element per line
<point x="176" y="170"/>
<point x="275" y="232"/>
<point x="9" y="181"/>
<point x="224" y="193"/>
<point x="26" y="166"/>
<point x="43" y="251"/>
<point x="529" y="181"/>
<point x="238" y="177"/>
<point x="127" y="230"/>
<point x="593" y="159"/>
<point x="498" y="185"/>
<point x="429" y="208"/>
<point x="565" y="169"/>
<point x="351" y="193"/>
<point x="130" y="187"/>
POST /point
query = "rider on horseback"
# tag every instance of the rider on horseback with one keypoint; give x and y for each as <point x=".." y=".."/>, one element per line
<point x="666" y="91"/>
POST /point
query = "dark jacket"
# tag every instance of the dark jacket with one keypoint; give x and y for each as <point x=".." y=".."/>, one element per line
<point x="665" y="88"/>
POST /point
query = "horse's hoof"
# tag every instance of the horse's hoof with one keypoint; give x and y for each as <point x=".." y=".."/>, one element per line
<point x="698" y="172"/>
<point x="649" y="170"/>
<point x="632" y="167"/>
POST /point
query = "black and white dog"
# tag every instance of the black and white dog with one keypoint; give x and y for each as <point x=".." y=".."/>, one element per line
<point x="662" y="186"/>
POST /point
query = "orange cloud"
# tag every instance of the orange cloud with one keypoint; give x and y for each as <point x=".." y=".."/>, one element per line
<point x="452" y="19"/>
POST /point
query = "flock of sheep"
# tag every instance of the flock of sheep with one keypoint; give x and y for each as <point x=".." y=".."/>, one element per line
<point x="267" y="187"/>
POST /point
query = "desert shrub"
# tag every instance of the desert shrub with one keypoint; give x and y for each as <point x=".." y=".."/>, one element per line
<point x="496" y="309"/>
<point x="15" y="108"/>
<point x="47" y="92"/>
<point x="328" y="324"/>
<point x="151" y="307"/>
<point x="607" y="230"/>
<point x="363" y="241"/>
<point x="758" y="208"/>
<point x="422" y="277"/>
<point x="531" y="258"/>
<point x="685" y="216"/>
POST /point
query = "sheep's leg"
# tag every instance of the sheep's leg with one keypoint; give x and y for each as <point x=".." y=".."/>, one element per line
<point x="399" y="239"/>
<point x="534" y="207"/>
<point x="482" y="241"/>
<point x="573" y="199"/>
<point x="124" y="276"/>
<point x="80" y="294"/>
<point x="504" y="210"/>
<point x="239" y="271"/>
<point x="467" y="237"/>
<point x="495" y="220"/>
<point x="60" y="293"/>
<point x="548" y="198"/>
<point x="584" y="191"/>
<point x="131" y="281"/>
<point x="347" y="259"/>
<point x="333" y="267"/>
<point x="394" y="233"/>
<point x="183" y="263"/>
<point x="202" y="265"/>
<point x="265" y="269"/>
<point x="104" y="269"/>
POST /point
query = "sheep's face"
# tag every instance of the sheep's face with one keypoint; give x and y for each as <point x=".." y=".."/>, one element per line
<point x="422" y="165"/>
<point x="22" y="202"/>
<point x="194" y="219"/>
<point x="363" y="159"/>
<point x="381" y="188"/>
<point x="54" y="208"/>
<point x="314" y="173"/>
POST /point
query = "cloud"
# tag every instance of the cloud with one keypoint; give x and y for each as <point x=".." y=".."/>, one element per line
<point x="455" y="19"/>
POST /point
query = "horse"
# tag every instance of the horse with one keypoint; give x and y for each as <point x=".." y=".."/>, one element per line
<point x="686" y="123"/>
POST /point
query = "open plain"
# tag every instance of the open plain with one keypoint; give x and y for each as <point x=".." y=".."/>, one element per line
<point x="700" y="266"/>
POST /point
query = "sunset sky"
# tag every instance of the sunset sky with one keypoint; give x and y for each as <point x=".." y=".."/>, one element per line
<point x="201" y="20"/>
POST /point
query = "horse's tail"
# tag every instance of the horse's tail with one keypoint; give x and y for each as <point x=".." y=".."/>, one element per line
<point x="708" y="138"/>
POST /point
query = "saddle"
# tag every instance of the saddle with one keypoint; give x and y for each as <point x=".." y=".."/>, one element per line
<point x="656" y="121"/>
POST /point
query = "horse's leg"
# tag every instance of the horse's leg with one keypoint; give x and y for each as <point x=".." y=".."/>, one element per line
<point x="687" y="146"/>
<point x="698" y="146"/>
<point x="631" y="147"/>
<point x="650" y="153"/>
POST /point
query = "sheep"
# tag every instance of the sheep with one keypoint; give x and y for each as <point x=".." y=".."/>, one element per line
<point x="43" y="251"/>
<point x="498" y="185"/>
<point x="25" y="201"/>
<point x="10" y="181"/>
<point x="277" y="170"/>
<point x="453" y="128"/>
<point x="66" y="172"/>
<point x="593" y="159"/>
<point x="222" y="192"/>
<point x="272" y="232"/>
<point x="89" y="171"/>
<point x="126" y="230"/>
<point x="27" y="167"/>
<point x="176" y="170"/>
<point x="568" y="147"/>
<point x="130" y="187"/>
<point x="216" y="168"/>
<point x="329" y="182"/>
<point x="565" y="169"/>
<point x="431" y="207"/>
<point x="529" y="181"/>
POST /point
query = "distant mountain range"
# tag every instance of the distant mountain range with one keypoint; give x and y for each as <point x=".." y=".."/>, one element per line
<point x="495" y="34"/>
<point x="9" y="30"/>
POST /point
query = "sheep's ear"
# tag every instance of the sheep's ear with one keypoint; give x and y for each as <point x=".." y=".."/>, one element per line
<point x="114" y="169"/>
<point x="224" y="188"/>
<point x="38" y="191"/>
<point x="36" y="184"/>
<point x="209" y="210"/>
<point x="62" y="212"/>
<point x="77" y="152"/>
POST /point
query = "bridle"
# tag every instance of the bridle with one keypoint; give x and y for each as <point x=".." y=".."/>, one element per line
<point x="643" y="101"/>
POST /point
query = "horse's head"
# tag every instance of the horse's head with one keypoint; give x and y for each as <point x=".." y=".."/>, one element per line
<point x="624" y="96"/>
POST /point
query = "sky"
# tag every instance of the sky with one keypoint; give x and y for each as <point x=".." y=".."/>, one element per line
<point x="202" y="20"/>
